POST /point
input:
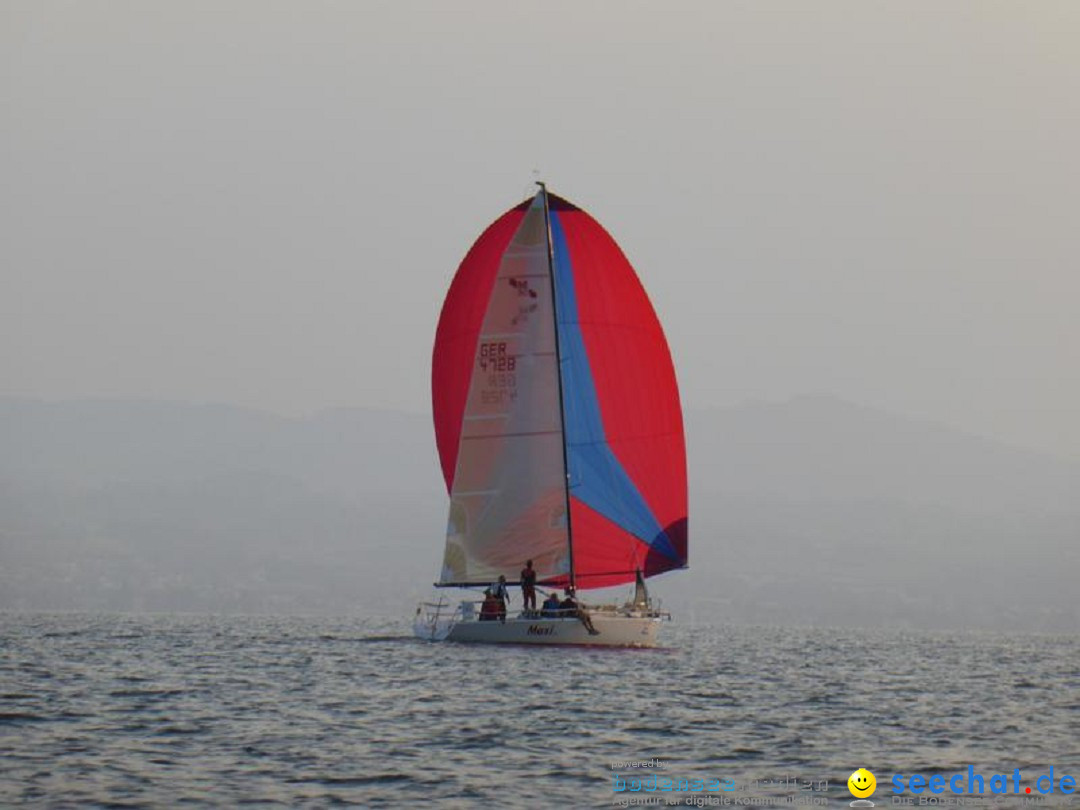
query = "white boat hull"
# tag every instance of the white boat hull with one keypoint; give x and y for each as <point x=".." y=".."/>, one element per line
<point x="614" y="630"/>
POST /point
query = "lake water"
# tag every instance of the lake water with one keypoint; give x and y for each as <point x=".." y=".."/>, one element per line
<point x="165" y="710"/>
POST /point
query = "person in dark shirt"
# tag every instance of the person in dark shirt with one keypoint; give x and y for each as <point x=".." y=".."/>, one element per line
<point x="570" y="607"/>
<point x="551" y="606"/>
<point x="528" y="586"/>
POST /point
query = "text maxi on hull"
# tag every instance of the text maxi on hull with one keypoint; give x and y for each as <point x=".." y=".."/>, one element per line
<point x="559" y="431"/>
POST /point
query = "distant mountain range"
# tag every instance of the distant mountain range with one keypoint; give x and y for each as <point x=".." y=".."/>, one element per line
<point x="812" y="510"/>
<point x="825" y="449"/>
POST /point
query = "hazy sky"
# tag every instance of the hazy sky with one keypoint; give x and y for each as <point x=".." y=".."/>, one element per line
<point x="263" y="203"/>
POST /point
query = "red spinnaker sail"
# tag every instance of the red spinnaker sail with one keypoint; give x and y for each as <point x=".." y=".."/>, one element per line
<point x="621" y="422"/>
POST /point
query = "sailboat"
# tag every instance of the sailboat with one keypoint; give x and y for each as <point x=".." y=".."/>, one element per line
<point x="559" y="431"/>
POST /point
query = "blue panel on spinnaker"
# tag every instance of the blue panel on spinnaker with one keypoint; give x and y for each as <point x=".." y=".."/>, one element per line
<point x="597" y="478"/>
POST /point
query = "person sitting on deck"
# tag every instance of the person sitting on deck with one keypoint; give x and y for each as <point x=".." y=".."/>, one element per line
<point x="550" y="608"/>
<point x="570" y="607"/>
<point x="489" y="611"/>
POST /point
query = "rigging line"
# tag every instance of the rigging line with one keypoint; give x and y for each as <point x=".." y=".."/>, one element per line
<point x="518" y="435"/>
<point x="624" y="439"/>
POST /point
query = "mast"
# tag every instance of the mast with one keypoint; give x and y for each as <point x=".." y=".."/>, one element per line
<point x="558" y="370"/>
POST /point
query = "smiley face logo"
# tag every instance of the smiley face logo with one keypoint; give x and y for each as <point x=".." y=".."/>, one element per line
<point x="861" y="783"/>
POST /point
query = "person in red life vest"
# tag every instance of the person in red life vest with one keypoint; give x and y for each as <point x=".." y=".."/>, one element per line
<point x="489" y="611"/>
<point x="528" y="586"/>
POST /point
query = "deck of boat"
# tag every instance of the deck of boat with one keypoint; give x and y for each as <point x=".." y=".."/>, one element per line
<point x="614" y="630"/>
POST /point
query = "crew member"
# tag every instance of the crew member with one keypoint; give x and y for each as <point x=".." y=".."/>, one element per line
<point x="528" y="586"/>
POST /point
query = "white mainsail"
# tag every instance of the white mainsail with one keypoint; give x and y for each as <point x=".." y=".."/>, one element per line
<point x="508" y="500"/>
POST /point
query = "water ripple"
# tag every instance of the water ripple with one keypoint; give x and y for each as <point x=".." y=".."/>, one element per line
<point x="209" y="711"/>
